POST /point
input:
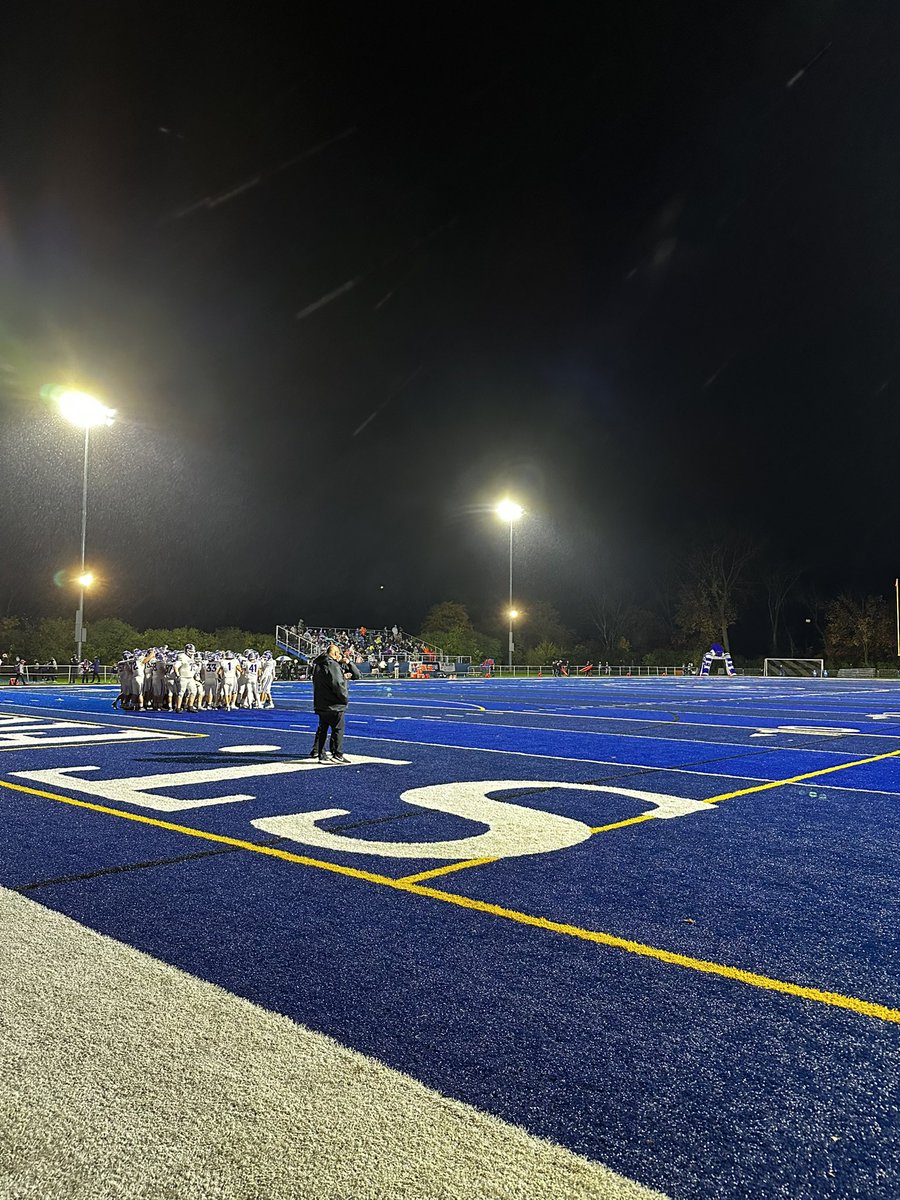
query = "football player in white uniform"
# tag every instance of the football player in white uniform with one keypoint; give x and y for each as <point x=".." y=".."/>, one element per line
<point x="123" y="670"/>
<point x="228" y="676"/>
<point x="210" y="681"/>
<point x="195" y="686"/>
<point x="184" y="677"/>
<point x="248" y="680"/>
<point x="266" y="679"/>
<point x="138" y="665"/>
<point x="156" y="674"/>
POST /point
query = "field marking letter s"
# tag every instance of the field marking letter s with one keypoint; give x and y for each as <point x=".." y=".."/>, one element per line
<point x="512" y="829"/>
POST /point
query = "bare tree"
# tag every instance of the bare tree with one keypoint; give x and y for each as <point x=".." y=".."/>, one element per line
<point x="714" y="585"/>
<point x="816" y="606"/>
<point x="780" y="582"/>
<point x="860" y="627"/>
<point x="609" y="614"/>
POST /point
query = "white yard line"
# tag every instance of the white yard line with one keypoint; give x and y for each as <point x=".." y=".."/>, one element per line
<point x="302" y="730"/>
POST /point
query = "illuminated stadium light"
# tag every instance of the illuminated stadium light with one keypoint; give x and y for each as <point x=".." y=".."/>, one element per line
<point x="83" y="410"/>
<point x="508" y="510"/>
<point x="87" y="413"/>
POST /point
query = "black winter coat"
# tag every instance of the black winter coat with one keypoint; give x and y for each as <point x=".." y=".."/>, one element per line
<point x="329" y="686"/>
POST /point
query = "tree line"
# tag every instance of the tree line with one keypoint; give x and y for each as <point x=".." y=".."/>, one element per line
<point x="53" y="638"/>
<point x="726" y="591"/>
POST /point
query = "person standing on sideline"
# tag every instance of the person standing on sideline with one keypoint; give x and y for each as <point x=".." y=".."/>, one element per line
<point x="95" y="669"/>
<point x="330" y="700"/>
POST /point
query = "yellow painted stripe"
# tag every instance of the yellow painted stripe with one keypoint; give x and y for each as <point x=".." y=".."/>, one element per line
<point x="763" y="787"/>
<point x="622" y="824"/>
<point x="758" y="787"/>
<point x="457" y="866"/>
<point x="480" y="862"/>
<point x="864" y="1008"/>
<point x="272" y="851"/>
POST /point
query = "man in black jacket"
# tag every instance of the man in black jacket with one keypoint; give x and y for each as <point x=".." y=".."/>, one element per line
<point x="330" y="700"/>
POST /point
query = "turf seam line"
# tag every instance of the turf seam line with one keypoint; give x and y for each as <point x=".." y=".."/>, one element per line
<point x="121" y="869"/>
<point x="124" y="868"/>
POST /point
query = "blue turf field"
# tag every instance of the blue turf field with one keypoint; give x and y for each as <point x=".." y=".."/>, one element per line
<point x="698" y="985"/>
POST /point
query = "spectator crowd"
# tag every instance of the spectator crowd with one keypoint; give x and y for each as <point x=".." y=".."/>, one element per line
<point x="383" y="649"/>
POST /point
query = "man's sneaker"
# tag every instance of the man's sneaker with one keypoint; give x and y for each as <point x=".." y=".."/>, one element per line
<point x="313" y="754"/>
<point x="324" y="758"/>
<point x="339" y="758"/>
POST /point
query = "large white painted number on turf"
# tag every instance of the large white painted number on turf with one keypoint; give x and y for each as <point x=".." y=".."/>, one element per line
<point x="512" y="829"/>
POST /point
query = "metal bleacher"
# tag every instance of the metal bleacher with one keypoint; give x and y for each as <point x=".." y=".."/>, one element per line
<point x="418" y="662"/>
<point x="300" y="645"/>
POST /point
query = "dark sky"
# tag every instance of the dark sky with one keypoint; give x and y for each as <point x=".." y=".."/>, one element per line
<point x="348" y="280"/>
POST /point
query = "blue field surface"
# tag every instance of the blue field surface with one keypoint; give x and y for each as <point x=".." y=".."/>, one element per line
<point x="654" y="920"/>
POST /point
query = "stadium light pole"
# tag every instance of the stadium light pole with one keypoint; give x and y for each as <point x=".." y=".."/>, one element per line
<point x="86" y="412"/>
<point x="508" y="510"/>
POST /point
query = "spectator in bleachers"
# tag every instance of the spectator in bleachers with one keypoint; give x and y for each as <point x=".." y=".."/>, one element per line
<point x="390" y="645"/>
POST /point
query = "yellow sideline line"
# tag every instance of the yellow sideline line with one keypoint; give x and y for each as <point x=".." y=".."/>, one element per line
<point x="759" y="787"/>
<point x="221" y="838"/>
<point x="481" y="862"/>
<point x="864" y="1008"/>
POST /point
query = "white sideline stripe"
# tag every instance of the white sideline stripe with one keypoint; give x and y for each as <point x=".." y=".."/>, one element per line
<point x="447" y="704"/>
<point x="660" y="719"/>
<point x="605" y="762"/>
<point x="751" y="747"/>
<point x="297" y="730"/>
<point x="176" y="1087"/>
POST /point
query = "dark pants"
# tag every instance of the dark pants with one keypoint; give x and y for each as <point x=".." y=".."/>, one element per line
<point x="330" y="719"/>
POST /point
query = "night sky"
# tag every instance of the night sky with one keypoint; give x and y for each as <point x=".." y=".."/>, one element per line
<point x="349" y="280"/>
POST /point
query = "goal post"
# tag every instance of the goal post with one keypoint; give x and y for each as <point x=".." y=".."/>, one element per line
<point x="794" y="668"/>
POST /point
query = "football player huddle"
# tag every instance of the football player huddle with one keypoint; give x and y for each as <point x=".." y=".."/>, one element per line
<point x="164" y="680"/>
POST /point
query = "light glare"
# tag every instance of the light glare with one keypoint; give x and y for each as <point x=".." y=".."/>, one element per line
<point x="508" y="510"/>
<point x="86" y="579"/>
<point x="84" y="411"/>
